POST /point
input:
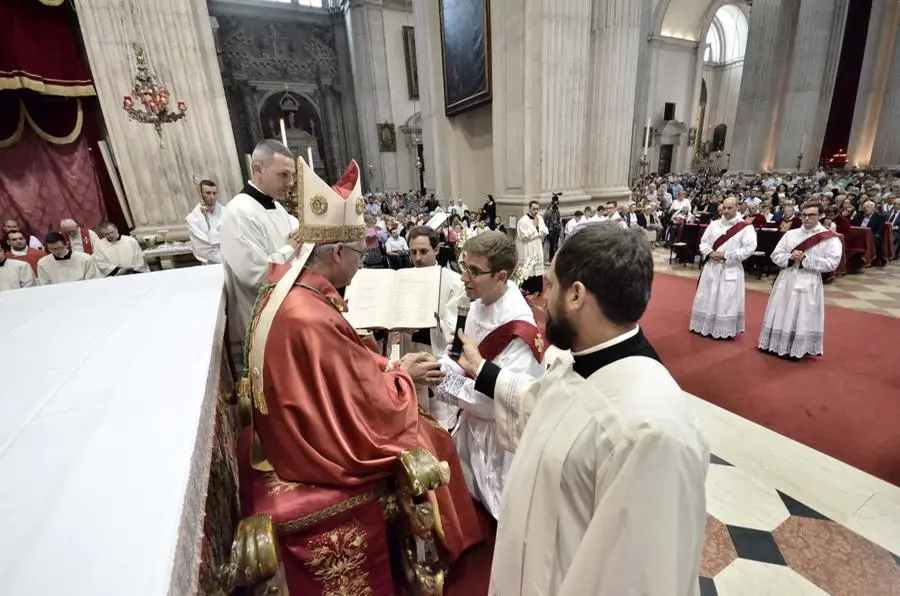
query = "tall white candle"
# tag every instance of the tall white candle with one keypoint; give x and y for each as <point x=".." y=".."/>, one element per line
<point x="309" y="158"/>
<point x="283" y="132"/>
<point x="803" y="144"/>
<point x="647" y="136"/>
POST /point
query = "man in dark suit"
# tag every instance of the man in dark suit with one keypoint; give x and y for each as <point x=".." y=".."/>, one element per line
<point x="892" y="216"/>
<point x="875" y="221"/>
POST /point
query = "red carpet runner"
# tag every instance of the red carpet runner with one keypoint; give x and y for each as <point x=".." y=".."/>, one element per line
<point x="845" y="403"/>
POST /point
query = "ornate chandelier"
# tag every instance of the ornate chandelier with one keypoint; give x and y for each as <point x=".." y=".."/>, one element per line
<point x="152" y="96"/>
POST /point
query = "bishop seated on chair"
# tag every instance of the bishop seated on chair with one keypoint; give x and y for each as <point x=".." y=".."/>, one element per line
<point x="330" y="417"/>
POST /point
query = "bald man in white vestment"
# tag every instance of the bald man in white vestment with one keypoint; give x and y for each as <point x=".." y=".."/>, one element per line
<point x="64" y="265"/>
<point x="257" y="230"/>
<point x="14" y="274"/>
<point x="115" y="254"/>
<point x="718" y="309"/>
<point x="606" y="493"/>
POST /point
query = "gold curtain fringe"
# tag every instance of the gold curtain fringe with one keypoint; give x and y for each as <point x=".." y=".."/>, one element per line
<point x="14" y="82"/>
<point x="17" y="134"/>
<point x="69" y="138"/>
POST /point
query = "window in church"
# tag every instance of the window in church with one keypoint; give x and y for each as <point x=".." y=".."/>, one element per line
<point x="726" y="38"/>
<point x="313" y="3"/>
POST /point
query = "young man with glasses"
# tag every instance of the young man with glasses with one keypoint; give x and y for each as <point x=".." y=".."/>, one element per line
<point x="500" y="321"/>
<point x="794" y="323"/>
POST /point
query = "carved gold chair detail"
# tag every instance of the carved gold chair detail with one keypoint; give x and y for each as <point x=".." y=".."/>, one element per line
<point x="359" y="541"/>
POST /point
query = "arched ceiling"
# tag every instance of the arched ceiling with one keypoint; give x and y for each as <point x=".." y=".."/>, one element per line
<point x="684" y="19"/>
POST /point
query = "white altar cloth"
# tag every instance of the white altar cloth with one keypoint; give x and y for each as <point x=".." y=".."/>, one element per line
<point x="106" y="419"/>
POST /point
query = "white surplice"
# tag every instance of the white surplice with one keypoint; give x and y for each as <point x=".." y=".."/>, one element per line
<point x="452" y="291"/>
<point x="203" y="231"/>
<point x="719" y="303"/>
<point x="794" y="323"/>
<point x="125" y="253"/>
<point x="606" y="493"/>
<point x="251" y="238"/>
<point x="530" y="245"/>
<point x="78" y="267"/>
<point x="484" y="460"/>
<point x="15" y="275"/>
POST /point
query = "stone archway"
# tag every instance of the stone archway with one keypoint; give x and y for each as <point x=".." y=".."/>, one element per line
<point x="412" y="136"/>
<point x="303" y="126"/>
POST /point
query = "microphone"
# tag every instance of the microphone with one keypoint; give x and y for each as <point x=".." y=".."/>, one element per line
<point x="462" y="312"/>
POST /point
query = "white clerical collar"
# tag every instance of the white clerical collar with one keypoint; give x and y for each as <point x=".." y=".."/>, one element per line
<point x="18" y="253"/>
<point x="732" y="221"/>
<point x="608" y="344"/>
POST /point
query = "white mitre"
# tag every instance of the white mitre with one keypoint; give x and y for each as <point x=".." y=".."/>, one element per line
<point x="329" y="214"/>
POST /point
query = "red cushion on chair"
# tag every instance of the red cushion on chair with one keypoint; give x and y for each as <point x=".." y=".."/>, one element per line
<point x="321" y="529"/>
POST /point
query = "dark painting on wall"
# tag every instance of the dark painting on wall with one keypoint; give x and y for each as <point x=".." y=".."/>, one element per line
<point x="466" y="54"/>
<point x="412" y="67"/>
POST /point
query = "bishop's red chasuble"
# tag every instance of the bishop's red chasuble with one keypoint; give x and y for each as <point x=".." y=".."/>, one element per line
<point x="333" y="416"/>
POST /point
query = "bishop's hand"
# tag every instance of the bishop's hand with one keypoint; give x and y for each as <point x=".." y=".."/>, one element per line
<point x="470" y="359"/>
<point x="295" y="239"/>
<point x="423" y="367"/>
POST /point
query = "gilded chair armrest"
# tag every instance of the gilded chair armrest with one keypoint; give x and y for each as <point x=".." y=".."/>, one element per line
<point x="255" y="555"/>
<point x="418" y="471"/>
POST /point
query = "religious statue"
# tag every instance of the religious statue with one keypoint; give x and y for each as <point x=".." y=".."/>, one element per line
<point x="291" y="118"/>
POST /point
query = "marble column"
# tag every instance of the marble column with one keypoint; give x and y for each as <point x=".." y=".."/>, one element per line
<point x="886" y="150"/>
<point x="817" y="49"/>
<point x="765" y="75"/>
<point x="332" y="109"/>
<point x="615" y="47"/>
<point x="178" y="42"/>
<point x="368" y="56"/>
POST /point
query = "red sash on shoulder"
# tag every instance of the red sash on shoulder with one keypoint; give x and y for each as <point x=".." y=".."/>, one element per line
<point x="86" y="241"/>
<point x="731" y="233"/>
<point x="497" y="340"/>
<point x="815" y="239"/>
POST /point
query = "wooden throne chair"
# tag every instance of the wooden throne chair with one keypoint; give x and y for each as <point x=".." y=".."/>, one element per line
<point x="373" y="540"/>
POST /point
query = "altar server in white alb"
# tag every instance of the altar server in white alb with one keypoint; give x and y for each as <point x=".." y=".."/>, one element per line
<point x="204" y="224"/>
<point x="257" y="230"/>
<point x="530" y="233"/>
<point x="606" y="492"/>
<point x="115" y="254"/>
<point x="719" y="303"/>
<point x="502" y="324"/>
<point x="64" y="265"/>
<point x="14" y="274"/>
<point x="794" y="324"/>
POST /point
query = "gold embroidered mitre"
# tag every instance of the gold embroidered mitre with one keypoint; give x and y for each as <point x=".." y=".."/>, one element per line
<point x="330" y="213"/>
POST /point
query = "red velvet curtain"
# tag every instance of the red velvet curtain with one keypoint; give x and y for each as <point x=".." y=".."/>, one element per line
<point x="50" y="164"/>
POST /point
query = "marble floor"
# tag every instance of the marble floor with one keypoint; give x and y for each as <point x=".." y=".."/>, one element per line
<point x="876" y="289"/>
<point x="785" y="519"/>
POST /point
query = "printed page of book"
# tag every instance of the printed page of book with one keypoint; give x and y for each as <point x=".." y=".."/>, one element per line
<point x="416" y="298"/>
<point x="369" y="297"/>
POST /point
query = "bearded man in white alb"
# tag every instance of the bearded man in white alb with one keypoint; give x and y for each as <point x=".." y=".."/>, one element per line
<point x="257" y="230"/>
<point x="502" y="323"/>
<point x="204" y="223"/>
<point x="794" y="324"/>
<point x="530" y="233"/>
<point x="64" y="265"/>
<point x="115" y="254"/>
<point x="718" y="309"/>
<point x="606" y="492"/>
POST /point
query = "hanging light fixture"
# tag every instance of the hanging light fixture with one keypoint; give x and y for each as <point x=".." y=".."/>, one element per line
<point x="149" y="99"/>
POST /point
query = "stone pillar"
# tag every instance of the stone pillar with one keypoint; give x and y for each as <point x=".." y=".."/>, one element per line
<point x="540" y="87"/>
<point x="886" y="151"/>
<point x="178" y="42"/>
<point x="615" y="47"/>
<point x="368" y="57"/>
<point x="332" y="108"/>
<point x="817" y="49"/>
<point x="766" y="66"/>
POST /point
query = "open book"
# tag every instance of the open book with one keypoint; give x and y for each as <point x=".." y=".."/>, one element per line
<point x="388" y="299"/>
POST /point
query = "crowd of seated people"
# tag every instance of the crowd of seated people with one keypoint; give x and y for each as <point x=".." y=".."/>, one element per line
<point x="71" y="253"/>
<point x="852" y="198"/>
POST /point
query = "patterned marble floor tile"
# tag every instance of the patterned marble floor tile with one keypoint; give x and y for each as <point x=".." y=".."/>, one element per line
<point x="737" y="499"/>
<point x="836" y="559"/>
<point x="718" y="549"/>
<point x="755" y="545"/>
<point x="871" y="296"/>
<point x="752" y="578"/>
<point x="879" y="518"/>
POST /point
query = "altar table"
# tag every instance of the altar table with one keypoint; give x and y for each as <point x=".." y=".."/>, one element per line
<point x="109" y="407"/>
